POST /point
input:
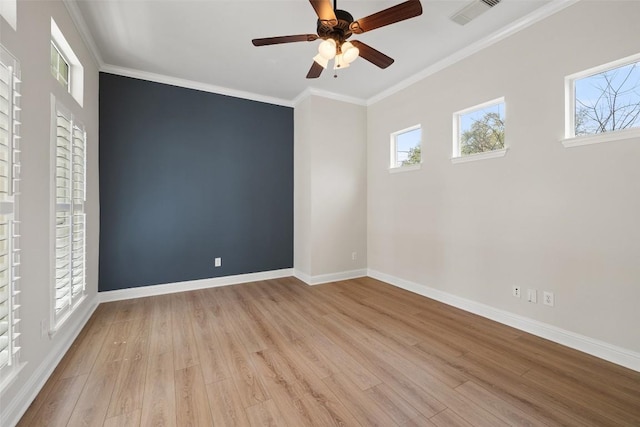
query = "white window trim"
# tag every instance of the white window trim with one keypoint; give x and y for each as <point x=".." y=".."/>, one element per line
<point x="570" y="139"/>
<point x="56" y="322"/>
<point x="480" y="156"/>
<point x="76" y="71"/>
<point x="393" y="151"/>
<point x="456" y="157"/>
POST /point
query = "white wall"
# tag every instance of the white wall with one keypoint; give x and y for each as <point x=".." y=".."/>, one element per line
<point x="544" y="216"/>
<point x="30" y="44"/>
<point x="329" y="187"/>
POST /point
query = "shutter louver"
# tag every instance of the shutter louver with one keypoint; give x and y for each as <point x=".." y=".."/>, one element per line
<point x="9" y="178"/>
<point x="70" y="216"/>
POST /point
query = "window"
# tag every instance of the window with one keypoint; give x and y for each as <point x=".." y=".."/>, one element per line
<point x="65" y="65"/>
<point x="406" y="148"/>
<point x="479" y="131"/>
<point x="603" y="100"/>
<point x="8" y="10"/>
<point x="59" y="66"/>
<point x="9" y="225"/>
<point x="69" y="277"/>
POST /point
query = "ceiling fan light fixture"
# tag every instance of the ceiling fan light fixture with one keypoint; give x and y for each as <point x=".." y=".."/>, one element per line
<point x="321" y="60"/>
<point x="327" y="48"/>
<point x="349" y="52"/>
<point x="340" y="63"/>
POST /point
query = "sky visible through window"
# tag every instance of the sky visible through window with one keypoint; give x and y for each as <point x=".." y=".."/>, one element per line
<point x="405" y="141"/>
<point x="467" y="120"/>
<point x="608" y="101"/>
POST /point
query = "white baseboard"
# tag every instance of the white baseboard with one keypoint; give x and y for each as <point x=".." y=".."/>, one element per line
<point x="191" y="285"/>
<point x="594" y="347"/>
<point x="18" y="405"/>
<point x="331" y="277"/>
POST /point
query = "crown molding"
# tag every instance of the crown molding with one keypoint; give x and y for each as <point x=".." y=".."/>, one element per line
<point x="311" y="91"/>
<point x="553" y="7"/>
<point x="83" y="29"/>
<point x="192" y="84"/>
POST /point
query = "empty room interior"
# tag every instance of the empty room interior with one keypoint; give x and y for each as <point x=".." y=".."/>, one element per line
<point x="315" y="213"/>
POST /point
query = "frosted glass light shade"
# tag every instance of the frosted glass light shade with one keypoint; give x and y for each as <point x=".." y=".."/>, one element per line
<point x="349" y="52"/>
<point x="321" y="60"/>
<point x="340" y="63"/>
<point x="327" y="48"/>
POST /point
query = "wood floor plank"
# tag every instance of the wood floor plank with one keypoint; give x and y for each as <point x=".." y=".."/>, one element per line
<point x="225" y="404"/>
<point x="366" y="411"/>
<point x="250" y="386"/>
<point x="128" y="392"/>
<point x="265" y="414"/>
<point x="56" y="409"/>
<point x="352" y="353"/>
<point x="159" y="404"/>
<point x="192" y="405"/>
<point x="185" y="352"/>
<point x="129" y="419"/>
<point x="507" y="412"/>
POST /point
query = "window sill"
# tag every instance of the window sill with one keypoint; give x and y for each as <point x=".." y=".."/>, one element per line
<point x="6" y="381"/>
<point x="618" y="135"/>
<point x="408" y="168"/>
<point x="480" y="156"/>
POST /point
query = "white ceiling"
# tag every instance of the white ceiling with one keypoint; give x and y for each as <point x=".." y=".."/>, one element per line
<point x="209" y="42"/>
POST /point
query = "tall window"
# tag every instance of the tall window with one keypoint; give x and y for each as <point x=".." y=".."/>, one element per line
<point x="59" y="66"/>
<point x="69" y="283"/>
<point x="9" y="225"/>
<point x="406" y="147"/>
<point x="479" y="129"/>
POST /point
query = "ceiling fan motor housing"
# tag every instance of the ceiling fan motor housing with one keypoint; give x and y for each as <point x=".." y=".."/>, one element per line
<point x="339" y="32"/>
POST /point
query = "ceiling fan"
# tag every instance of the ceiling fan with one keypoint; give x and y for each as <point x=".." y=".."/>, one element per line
<point x="335" y="26"/>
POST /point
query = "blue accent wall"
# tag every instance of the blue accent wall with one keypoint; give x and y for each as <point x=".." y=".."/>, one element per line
<point x="188" y="176"/>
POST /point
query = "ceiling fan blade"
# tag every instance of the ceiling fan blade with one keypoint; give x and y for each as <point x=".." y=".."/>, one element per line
<point x="315" y="71"/>
<point x="397" y="13"/>
<point x="284" y="39"/>
<point x="325" y="12"/>
<point x="372" y="55"/>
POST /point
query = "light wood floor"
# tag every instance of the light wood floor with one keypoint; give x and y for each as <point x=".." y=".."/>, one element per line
<point x="354" y="353"/>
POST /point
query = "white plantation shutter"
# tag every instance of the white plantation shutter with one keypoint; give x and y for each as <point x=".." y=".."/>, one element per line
<point x="9" y="179"/>
<point x="69" y="284"/>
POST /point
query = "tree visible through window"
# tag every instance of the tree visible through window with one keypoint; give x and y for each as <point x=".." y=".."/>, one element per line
<point x="608" y="101"/>
<point x="480" y="129"/>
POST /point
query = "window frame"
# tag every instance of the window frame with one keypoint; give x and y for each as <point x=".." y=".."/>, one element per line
<point x="56" y="69"/>
<point x="9" y="204"/>
<point x="393" y="150"/>
<point x="456" y="155"/>
<point x="75" y="81"/>
<point x="570" y="139"/>
<point x="73" y="209"/>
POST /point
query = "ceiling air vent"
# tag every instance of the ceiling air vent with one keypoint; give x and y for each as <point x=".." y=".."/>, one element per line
<point x="473" y="10"/>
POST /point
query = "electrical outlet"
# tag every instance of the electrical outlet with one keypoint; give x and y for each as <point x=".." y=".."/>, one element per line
<point x="516" y="291"/>
<point x="548" y="298"/>
<point x="218" y="262"/>
<point x="532" y="295"/>
<point x="354" y="256"/>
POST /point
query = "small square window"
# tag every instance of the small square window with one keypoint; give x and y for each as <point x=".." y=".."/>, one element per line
<point x="479" y="129"/>
<point x="608" y="100"/>
<point x="406" y="147"/>
<point x="59" y="66"/>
